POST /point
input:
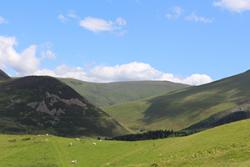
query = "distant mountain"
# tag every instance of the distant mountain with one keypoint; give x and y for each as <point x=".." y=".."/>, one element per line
<point x="3" y="75"/>
<point x="194" y="108"/>
<point x="107" y="94"/>
<point x="46" y="105"/>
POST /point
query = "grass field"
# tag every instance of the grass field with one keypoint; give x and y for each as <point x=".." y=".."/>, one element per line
<point x="223" y="146"/>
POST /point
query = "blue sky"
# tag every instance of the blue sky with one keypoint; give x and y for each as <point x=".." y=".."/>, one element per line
<point x="175" y="39"/>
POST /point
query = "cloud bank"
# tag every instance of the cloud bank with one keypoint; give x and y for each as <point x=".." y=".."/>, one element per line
<point x="28" y="62"/>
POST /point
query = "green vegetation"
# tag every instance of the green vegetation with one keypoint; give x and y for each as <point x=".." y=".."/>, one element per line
<point x="32" y="105"/>
<point x="182" y="109"/>
<point x="106" y="94"/>
<point x="225" y="146"/>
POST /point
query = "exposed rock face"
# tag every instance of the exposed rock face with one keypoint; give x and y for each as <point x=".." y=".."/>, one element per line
<point x="37" y="104"/>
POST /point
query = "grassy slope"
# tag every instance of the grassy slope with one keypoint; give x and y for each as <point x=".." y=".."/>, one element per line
<point x="56" y="108"/>
<point x="184" y="108"/>
<point x="106" y="94"/>
<point x="227" y="146"/>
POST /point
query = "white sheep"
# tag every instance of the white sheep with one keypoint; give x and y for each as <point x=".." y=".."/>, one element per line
<point x="70" y="144"/>
<point x="74" y="161"/>
<point x="94" y="143"/>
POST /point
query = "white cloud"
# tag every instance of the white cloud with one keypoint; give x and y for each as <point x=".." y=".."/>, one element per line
<point x="142" y="71"/>
<point x="133" y="71"/>
<point x="234" y="5"/>
<point x="64" y="71"/>
<point x="196" y="18"/>
<point x="174" y="13"/>
<point x="101" y="25"/>
<point x="25" y="62"/>
<point x="3" y="20"/>
<point x="28" y="63"/>
<point x="125" y="72"/>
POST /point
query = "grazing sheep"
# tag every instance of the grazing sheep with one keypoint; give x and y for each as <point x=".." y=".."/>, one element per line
<point x="94" y="143"/>
<point x="47" y="134"/>
<point x="70" y="144"/>
<point x="74" y="162"/>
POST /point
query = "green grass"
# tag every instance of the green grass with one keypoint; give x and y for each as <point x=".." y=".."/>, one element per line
<point x="106" y="94"/>
<point x="184" y="108"/>
<point x="130" y="114"/>
<point x="225" y="146"/>
<point x="37" y="104"/>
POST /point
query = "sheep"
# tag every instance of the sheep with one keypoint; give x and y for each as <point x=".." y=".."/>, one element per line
<point x="77" y="139"/>
<point x="70" y="144"/>
<point x="74" y="162"/>
<point x="94" y="143"/>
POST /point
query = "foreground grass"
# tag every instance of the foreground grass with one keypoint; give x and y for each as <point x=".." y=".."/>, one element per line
<point x="227" y="145"/>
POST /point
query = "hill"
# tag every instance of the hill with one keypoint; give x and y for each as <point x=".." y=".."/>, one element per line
<point x="3" y="75"/>
<point x="46" y="105"/>
<point x="224" y="146"/>
<point x="198" y="107"/>
<point x="106" y="94"/>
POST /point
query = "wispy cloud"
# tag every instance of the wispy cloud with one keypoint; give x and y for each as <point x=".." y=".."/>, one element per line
<point x="71" y="15"/>
<point x="3" y="20"/>
<point x="95" y="24"/>
<point x="174" y="13"/>
<point x="62" y="18"/>
<point x="177" y="12"/>
<point x="233" y="5"/>
<point x="101" y="25"/>
<point x="196" y="18"/>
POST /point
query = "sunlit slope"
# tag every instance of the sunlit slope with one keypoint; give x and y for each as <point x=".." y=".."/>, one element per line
<point x="211" y="102"/>
<point x="106" y="94"/>
<point x="224" y="146"/>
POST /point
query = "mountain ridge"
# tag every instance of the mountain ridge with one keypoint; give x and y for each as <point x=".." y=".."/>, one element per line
<point x="107" y="94"/>
<point x="3" y="75"/>
<point x="37" y="104"/>
<point x="182" y="109"/>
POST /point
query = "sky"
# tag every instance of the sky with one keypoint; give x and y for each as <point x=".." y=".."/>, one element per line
<point x="192" y="41"/>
